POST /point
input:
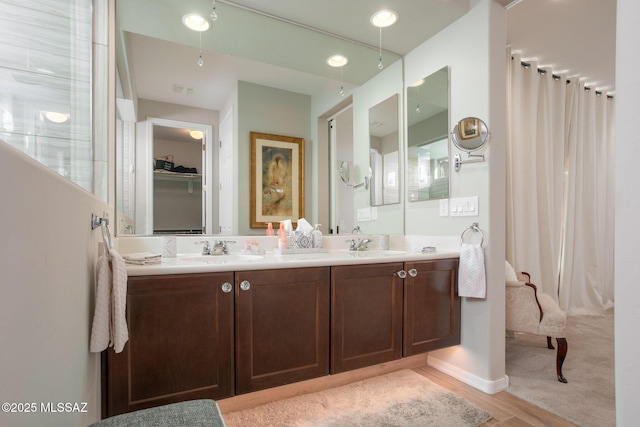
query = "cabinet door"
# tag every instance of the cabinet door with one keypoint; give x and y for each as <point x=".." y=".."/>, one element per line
<point x="180" y="342"/>
<point x="432" y="306"/>
<point x="282" y="327"/>
<point x="366" y="315"/>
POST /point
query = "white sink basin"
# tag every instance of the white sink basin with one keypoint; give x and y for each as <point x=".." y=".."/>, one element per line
<point x="221" y="259"/>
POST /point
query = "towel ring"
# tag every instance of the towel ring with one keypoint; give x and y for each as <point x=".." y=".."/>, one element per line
<point x="473" y="227"/>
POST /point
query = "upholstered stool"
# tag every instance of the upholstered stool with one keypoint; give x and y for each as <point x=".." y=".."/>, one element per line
<point x="192" y="413"/>
<point x="533" y="312"/>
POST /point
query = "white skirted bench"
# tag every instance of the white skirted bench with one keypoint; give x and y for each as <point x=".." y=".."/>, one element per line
<point x="533" y="312"/>
<point x="191" y="413"/>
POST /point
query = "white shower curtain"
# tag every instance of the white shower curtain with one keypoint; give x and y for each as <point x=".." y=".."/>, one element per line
<point x="559" y="187"/>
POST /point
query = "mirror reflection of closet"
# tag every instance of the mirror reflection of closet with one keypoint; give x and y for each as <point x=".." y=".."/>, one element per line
<point x="384" y="145"/>
<point x="172" y="172"/>
<point x="428" y="137"/>
<point x="177" y="180"/>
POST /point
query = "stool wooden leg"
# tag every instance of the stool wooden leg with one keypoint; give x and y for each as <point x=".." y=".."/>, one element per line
<point x="562" y="353"/>
<point x="549" y="345"/>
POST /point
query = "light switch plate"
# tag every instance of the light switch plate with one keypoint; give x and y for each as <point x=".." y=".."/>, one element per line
<point x="364" y="214"/>
<point x="464" y="206"/>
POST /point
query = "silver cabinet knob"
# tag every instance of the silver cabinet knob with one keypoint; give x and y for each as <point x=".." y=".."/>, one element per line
<point x="227" y="287"/>
<point x="413" y="272"/>
<point x="401" y="274"/>
<point x="245" y="285"/>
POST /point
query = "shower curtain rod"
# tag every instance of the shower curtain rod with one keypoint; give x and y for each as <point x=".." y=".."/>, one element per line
<point x="557" y="77"/>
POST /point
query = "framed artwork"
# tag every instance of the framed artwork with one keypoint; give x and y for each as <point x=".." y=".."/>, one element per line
<point x="470" y="128"/>
<point x="277" y="179"/>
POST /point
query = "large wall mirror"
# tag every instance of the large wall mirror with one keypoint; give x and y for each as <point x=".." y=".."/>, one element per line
<point x="384" y="148"/>
<point x="157" y="64"/>
<point x="427" y="109"/>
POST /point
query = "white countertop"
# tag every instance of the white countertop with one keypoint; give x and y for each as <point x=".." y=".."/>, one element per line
<point x="185" y="263"/>
<point x="189" y="259"/>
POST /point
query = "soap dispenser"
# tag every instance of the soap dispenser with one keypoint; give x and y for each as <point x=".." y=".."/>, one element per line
<point x="316" y="237"/>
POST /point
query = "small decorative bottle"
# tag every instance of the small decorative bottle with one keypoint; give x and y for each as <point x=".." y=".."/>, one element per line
<point x="270" y="231"/>
<point x="282" y="237"/>
<point x="316" y="237"/>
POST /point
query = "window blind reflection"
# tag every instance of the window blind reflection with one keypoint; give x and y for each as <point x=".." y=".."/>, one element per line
<point x="45" y="83"/>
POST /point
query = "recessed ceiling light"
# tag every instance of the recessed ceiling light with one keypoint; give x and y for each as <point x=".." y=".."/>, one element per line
<point x="195" y="22"/>
<point x="384" y="18"/>
<point x="337" y="61"/>
<point x="54" y="117"/>
<point x="196" y="134"/>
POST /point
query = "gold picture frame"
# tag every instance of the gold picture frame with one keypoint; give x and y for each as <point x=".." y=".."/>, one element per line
<point x="469" y="128"/>
<point x="277" y="179"/>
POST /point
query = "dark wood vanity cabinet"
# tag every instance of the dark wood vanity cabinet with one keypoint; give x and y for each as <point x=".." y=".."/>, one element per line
<point x="215" y="335"/>
<point x="431" y="306"/>
<point x="366" y="315"/>
<point x="180" y="343"/>
<point x="282" y="327"/>
<point x="381" y="312"/>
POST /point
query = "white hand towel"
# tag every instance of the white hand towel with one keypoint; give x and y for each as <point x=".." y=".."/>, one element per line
<point x="142" y="258"/>
<point x="109" y="326"/>
<point x="472" y="281"/>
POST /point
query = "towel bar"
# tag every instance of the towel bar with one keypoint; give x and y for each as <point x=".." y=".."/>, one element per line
<point x="103" y="223"/>
<point x="473" y="227"/>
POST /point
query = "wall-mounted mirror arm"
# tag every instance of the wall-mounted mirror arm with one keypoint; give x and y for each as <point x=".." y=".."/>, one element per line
<point x="458" y="162"/>
<point x="364" y="184"/>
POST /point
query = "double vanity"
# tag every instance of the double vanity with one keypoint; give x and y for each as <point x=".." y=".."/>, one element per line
<point x="204" y="326"/>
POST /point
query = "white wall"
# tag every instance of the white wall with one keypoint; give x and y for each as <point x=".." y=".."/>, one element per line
<point x="277" y="112"/>
<point x="627" y="236"/>
<point x="373" y="92"/>
<point x="47" y="254"/>
<point x="474" y="49"/>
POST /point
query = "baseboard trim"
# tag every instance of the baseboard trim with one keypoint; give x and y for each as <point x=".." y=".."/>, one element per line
<point x="489" y="387"/>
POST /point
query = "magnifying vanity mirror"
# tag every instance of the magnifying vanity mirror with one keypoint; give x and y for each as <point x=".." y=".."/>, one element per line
<point x="427" y="137"/>
<point x="469" y="134"/>
<point x="345" y="173"/>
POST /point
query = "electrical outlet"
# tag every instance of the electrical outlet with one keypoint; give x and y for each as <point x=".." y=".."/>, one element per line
<point x="374" y="213"/>
<point x="444" y="207"/>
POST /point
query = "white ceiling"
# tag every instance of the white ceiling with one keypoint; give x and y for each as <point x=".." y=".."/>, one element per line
<point x="574" y="35"/>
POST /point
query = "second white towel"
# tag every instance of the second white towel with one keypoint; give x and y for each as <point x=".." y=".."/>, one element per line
<point x="472" y="280"/>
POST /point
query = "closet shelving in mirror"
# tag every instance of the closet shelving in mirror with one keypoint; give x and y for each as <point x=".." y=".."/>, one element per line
<point x="189" y="178"/>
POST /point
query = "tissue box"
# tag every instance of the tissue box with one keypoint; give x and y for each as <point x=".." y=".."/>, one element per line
<point x="299" y="240"/>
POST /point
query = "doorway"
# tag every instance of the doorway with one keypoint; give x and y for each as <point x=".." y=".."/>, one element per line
<point x="173" y="172"/>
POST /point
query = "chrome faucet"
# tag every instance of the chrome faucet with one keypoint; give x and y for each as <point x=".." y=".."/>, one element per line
<point x="220" y="247"/>
<point x="206" y="249"/>
<point x="361" y="245"/>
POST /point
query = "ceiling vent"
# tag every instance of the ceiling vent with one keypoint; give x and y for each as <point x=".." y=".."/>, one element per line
<point x="185" y="90"/>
